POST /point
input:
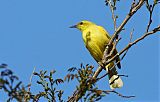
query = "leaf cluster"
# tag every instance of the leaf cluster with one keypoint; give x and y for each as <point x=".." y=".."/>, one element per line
<point x="87" y="88"/>
<point x="16" y="91"/>
<point x="11" y="85"/>
<point x="47" y="83"/>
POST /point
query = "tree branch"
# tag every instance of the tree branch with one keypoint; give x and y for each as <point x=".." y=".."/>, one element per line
<point x="113" y="91"/>
<point x="150" y="9"/>
<point x="105" y="60"/>
<point x="112" y="8"/>
<point x="155" y="30"/>
<point x="133" y="10"/>
<point x="30" y="80"/>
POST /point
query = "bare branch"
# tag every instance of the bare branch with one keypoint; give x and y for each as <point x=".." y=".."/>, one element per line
<point x="113" y="49"/>
<point x="112" y="11"/>
<point x="113" y="91"/>
<point x="131" y="35"/>
<point x="102" y="76"/>
<point x="74" y="97"/>
<point x="125" y="50"/>
<point x="150" y="9"/>
<point x="155" y="30"/>
<point x="99" y="69"/>
<point x="30" y="80"/>
<point x="106" y="52"/>
<point x="130" y="14"/>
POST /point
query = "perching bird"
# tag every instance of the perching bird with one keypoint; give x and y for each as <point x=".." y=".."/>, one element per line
<point x="95" y="39"/>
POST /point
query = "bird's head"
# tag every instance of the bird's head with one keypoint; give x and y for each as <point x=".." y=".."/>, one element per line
<point x="82" y="25"/>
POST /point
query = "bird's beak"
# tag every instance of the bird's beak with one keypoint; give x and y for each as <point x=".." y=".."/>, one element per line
<point x="75" y="26"/>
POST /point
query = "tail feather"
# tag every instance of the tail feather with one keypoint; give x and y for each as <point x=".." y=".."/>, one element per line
<point x="114" y="80"/>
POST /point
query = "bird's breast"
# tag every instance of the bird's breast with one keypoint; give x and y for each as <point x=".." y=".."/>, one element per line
<point x="94" y="43"/>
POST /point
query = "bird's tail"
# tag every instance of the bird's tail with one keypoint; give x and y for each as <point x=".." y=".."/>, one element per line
<point x="114" y="80"/>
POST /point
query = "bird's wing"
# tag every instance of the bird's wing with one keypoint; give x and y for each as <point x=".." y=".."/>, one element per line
<point x="115" y="52"/>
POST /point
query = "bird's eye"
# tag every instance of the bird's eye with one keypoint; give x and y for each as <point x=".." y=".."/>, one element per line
<point x="81" y="23"/>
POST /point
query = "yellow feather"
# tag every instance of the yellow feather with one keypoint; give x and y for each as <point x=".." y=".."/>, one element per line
<point x="95" y="39"/>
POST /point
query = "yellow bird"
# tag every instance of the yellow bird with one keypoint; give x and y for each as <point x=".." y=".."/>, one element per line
<point x="95" y="39"/>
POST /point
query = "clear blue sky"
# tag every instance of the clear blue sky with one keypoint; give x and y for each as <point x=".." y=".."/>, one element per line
<point x="35" y="33"/>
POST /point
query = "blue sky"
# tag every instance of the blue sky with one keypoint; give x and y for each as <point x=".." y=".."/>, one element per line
<point x="36" y="33"/>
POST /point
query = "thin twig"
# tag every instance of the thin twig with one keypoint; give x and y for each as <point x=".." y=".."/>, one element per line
<point x="130" y="14"/>
<point x="106" y="52"/>
<point x="113" y="91"/>
<point x="99" y="69"/>
<point x="130" y="40"/>
<point x="112" y="11"/>
<point x="150" y="9"/>
<point x="157" y="29"/>
<point x="30" y="80"/>
<point x="102" y="77"/>
<point x="75" y="96"/>
<point x="111" y="69"/>
<point x="129" y="45"/>
<point x="113" y="49"/>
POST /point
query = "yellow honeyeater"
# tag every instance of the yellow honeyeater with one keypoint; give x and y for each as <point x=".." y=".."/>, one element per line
<point x="95" y="39"/>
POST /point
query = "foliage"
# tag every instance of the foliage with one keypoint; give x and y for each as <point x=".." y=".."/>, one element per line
<point x="86" y="88"/>
<point x="15" y="89"/>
